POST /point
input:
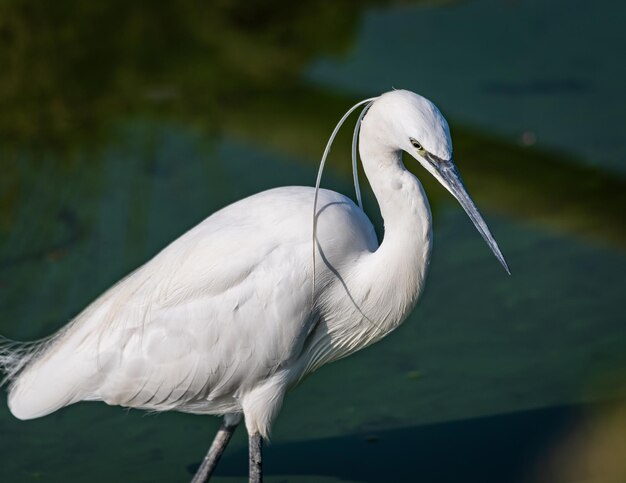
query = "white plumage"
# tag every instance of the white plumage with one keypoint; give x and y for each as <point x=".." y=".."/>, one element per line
<point x="226" y="319"/>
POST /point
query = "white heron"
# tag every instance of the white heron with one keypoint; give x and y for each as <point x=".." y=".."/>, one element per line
<point x="239" y="309"/>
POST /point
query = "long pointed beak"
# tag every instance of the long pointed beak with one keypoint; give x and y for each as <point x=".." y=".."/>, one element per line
<point x="451" y="179"/>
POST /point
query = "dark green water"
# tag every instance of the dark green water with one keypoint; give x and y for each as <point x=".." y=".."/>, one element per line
<point x="124" y="124"/>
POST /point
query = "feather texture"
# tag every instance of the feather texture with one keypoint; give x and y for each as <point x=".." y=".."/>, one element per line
<point x="221" y="308"/>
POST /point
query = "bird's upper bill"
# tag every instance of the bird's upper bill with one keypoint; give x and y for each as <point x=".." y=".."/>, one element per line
<point x="449" y="176"/>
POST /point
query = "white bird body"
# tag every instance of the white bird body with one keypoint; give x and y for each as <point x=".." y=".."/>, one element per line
<point x="229" y="317"/>
<point x="225" y="310"/>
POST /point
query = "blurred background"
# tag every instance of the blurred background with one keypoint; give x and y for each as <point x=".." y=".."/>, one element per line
<point x="125" y="123"/>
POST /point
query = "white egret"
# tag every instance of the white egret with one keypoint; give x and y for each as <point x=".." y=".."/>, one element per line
<point x="240" y="308"/>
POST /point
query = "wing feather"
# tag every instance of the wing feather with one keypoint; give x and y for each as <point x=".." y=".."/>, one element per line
<point x="223" y="306"/>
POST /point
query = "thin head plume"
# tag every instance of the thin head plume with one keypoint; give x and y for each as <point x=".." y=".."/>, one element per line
<point x="355" y="140"/>
<point x="323" y="162"/>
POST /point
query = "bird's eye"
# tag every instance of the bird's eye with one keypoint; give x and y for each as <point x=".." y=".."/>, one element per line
<point x="416" y="145"/>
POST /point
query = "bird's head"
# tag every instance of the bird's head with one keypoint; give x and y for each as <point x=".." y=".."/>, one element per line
<point x="413" y="124"/>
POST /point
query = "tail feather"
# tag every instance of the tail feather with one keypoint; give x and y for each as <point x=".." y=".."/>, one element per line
<point x="15" y="356"/>
<point x="33" y="388"/>
<point x="48" y="374"/>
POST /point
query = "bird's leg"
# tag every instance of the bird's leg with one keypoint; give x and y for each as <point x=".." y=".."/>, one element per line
<point x="215" y="451"/>
<point x="255" y="444"/>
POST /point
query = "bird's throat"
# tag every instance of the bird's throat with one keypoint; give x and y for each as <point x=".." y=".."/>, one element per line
<point x="397" y="269"/>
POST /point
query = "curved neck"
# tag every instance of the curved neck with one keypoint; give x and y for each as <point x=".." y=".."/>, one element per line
<point x="383" y="287"/>
<point x="399" y="266"/>
<point x="400" y="196"/>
